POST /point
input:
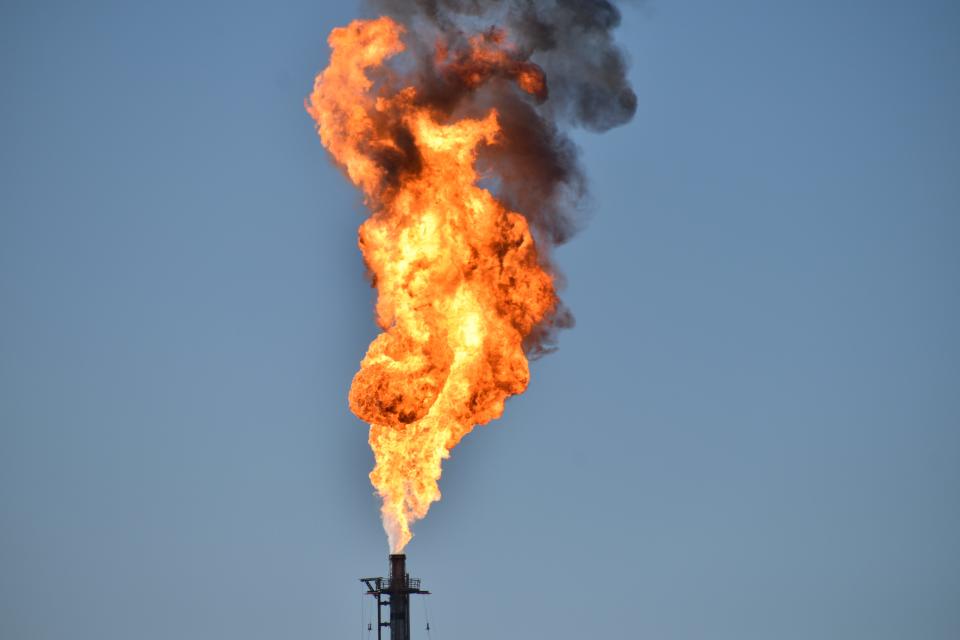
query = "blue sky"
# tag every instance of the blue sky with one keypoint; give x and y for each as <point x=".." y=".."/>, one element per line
<point x="753" y="431"/>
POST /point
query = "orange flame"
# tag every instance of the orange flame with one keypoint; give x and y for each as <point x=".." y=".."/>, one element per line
<point x="459" y="281"/>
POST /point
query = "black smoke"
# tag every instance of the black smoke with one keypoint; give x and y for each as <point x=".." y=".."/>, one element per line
<point x="534" y="169"/>
<point x="572" y="40"/>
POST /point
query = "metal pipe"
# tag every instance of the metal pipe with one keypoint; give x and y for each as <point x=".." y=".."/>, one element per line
<point x="399" y="598"/>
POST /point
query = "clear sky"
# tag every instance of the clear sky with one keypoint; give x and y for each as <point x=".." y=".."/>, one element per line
<point x="753" y="432"/>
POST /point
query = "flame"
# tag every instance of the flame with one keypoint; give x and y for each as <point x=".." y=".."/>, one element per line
<point x="459" y="281"/>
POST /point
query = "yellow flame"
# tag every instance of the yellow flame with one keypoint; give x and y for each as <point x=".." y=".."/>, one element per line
<point x="458" y="277"/>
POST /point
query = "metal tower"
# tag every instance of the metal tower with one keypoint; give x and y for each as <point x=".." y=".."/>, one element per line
<point x="398" y="587"/>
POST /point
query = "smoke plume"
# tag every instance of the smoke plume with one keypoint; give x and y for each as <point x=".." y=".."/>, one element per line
<point x="535" y="170"/>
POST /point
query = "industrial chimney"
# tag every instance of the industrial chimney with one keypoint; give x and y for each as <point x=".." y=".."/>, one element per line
<point x="399" y="598"/>
<point x="398" y="588"/>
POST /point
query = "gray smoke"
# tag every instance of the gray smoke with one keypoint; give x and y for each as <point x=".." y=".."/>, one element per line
<point x="571" y="40"/>
<point x="534" y="168"/>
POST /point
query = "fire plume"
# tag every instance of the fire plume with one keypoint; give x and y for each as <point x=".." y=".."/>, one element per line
<point x="457" y="274"/>
<point x="462" y="290"/>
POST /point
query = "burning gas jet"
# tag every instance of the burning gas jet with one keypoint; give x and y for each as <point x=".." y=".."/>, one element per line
<point x="451" y="129"/>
